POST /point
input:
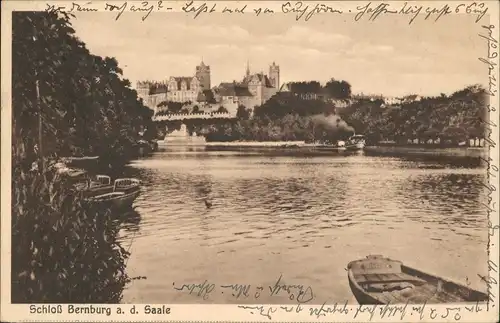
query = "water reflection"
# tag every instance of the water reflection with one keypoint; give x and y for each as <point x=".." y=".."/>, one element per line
<point x="449" y="199"/>
<point x="130" y="221"/>
<point x="433" y="160"/>
<point x="302" y="216"/>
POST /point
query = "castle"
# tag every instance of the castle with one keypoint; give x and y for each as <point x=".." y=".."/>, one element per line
<point x="175" y="89"/>
<point x="251" y="91"/>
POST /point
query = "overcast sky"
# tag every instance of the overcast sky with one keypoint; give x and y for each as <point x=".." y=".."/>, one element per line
<point x="386" y="56"/>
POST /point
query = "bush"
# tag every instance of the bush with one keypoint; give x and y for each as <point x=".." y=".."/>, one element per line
<point x="64" y="251"/>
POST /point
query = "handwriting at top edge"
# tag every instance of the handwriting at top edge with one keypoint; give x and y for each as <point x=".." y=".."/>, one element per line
<point x="301" y="10"/>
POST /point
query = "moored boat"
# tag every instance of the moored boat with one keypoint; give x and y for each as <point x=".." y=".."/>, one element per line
<point x="380" y="280"/>
<point x="122" y="194"/>
<point x="355" y="142"/>
<point x="99" y="191"/>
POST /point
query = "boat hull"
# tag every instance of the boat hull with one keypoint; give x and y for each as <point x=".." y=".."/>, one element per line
<point x="115" y="200"/>
<point x="355" y="147"/>
<point x="379" y="280"/>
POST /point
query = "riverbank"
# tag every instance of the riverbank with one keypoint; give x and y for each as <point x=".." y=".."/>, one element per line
<point x="259" y="144"/>
<point x="301" y="146"/>
<point x="430" y="151"/>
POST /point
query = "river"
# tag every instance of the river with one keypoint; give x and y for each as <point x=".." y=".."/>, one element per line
<point x="301" y="218"/>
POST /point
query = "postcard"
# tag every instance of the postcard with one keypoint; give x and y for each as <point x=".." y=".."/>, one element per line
<point x="250" y="161"/>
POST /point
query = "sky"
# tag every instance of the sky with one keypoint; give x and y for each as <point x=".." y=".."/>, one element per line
<point x="387" y="56"/>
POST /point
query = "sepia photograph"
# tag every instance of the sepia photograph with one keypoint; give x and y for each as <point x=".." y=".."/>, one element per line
<point x="281" y="153"/>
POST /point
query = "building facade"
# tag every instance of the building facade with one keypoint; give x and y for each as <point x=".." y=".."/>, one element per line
<point x="253" y="90"/>
<point x="176" y="89"/>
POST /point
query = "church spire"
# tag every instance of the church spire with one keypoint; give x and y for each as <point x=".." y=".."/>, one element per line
<point x="248" y="68"/>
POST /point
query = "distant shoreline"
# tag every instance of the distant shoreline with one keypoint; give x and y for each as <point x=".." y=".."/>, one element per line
<point x="301" y="146"/>
<point x="430" y="151"/>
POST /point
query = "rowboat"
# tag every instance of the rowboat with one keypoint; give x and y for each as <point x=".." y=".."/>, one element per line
<point x="120" y="195"/>
<point x="380" y="280"/>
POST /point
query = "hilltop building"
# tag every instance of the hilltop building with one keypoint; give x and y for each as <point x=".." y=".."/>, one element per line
<point x="253" y="90"/>
<point x="176" y="89"/>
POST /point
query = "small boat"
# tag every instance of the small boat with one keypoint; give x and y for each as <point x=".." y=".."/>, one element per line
<point x="326" y="146"/>
<point x="380" y="280"/>
<point x="355" y="142"/>
<point x="98" y="190"/>
<point x="119" y="196"/>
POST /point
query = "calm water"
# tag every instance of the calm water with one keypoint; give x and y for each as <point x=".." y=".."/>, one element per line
<point x="302" y="218"/>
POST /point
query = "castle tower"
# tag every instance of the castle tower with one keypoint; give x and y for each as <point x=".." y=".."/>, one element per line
<point x="203" y="74"/>
<point x="143" y="90"/>
<point x="274" y="75"/>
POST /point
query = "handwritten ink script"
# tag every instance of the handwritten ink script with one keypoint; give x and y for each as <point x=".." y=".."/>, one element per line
<point x="367" y="312"/>
<point x="300" y="293"/>
<point x="300" y="10"/>
<point x="145" y="7"/>
<point x="489" y="59"/>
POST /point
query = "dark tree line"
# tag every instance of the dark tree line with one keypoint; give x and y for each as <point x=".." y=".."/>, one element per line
<point x="86" y="106"/>
<point x="288" y="116"/>
<point x="453" y="118"/>
<point x="65" y="251"/>
<point x="333" y="89"/>
<point x="284" y="117"/>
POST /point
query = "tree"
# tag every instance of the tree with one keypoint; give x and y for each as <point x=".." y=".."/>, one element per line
<point x="338" y="89"/>
<point x="243" y="113"/>
<point x="174" y="107"/>
<point x="222" y="110"/>
<point x="65" y="250"/>
<point x="305" y="87"/>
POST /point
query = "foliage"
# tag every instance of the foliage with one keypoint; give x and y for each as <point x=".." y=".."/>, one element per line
<point x="338" y="89"/>
<point x="86" y="107"/>
<point x="453" y="118"/>
<point x="305" y="87"/>
<point x="333" y="89"/>
<point x="285" y="103"/>
<point x="172" y="107"/>
<point x="287" y="116"/>
<point x="243" y="113"/>
<point x="65" y="251"/>
<point x="222" y="110"/>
